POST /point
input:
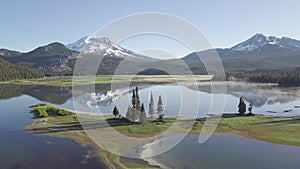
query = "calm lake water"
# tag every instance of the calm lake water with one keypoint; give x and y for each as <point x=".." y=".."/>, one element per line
<point x="178" y="100"/>
<point x="227" y="152"/>
<point x="21" y="149"/>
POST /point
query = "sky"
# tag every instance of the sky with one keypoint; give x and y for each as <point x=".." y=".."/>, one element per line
<point x="27" y="24"/>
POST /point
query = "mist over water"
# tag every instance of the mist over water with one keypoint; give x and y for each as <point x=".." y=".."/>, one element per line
<point x="266" y="100"/>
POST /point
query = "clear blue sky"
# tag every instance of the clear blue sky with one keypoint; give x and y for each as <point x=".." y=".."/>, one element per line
<point x="27" y="24"/>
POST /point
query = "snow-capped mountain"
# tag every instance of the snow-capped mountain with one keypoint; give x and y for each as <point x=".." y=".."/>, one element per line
<point x="99" y="46"/>
<point x="260" y="41"/>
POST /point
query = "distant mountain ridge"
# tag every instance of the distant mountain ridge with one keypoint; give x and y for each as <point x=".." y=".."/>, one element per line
<point x="256" y="54"/>
<point x="57" y="59"/>
<point x="259" y="53"/>
<point x="52" y="59"/>
<point x="260" y="41"/>
<point x="9" y="53"/>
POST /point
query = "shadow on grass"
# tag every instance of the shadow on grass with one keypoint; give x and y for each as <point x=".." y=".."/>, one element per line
<point x="118" y="122"/>
<point x="290" y="120"/>
<point x="65" y="127"/>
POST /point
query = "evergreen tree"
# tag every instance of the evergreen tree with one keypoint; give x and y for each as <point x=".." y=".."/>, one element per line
<point x="129" y="113"/>
<point x="143" y="115"/>
<point x="151" y="107"/>
<point x="116" y="111"/>
<point x="250" y="110"/>
<point x="134" y="115"/>
<point x="242" y="107"/>
<point x="160" y="109"/>
<point x="133" y="99"/>
<point x="137" y="100"/>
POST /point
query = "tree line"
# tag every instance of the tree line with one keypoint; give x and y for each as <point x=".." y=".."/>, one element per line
<point x="281" y="78"/>
<point x="10" y="71"/>
<point x="136" y="111"/>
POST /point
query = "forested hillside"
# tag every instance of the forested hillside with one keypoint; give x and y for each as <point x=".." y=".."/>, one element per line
<point x="9" y="71"/>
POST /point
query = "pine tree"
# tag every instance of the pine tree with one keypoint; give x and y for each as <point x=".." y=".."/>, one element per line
<point x="129" y="113"/>
<point x="116" y="111"/>
<point x="242" y="107"/>
<point x="151" y="107"/>
<point x="137" y="100"/>
<point x="160" y="109"/>
<point x="134" y="115"/>
<point x="143" y="115"/>
<point x="250" y="110"/>
<point x="133" y="99"/>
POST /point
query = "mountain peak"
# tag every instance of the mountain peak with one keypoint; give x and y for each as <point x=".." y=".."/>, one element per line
<point x="54" y="48"/>
<point x="259" y="35"/>
<point x="99" y="46"/>
<point x="254" y="43"/>
<point x="103" y="40"/>
<point x="9" y="53"/>
<point x="260" y="41"/>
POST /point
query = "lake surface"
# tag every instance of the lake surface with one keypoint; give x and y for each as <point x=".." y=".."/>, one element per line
<point x="21" y="149"/>
<point x="181" y="100"/>
<point x="227" y="152"/>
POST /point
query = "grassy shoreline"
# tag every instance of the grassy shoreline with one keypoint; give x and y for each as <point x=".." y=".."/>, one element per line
<point x="277" y="130"/>
<point x="84" y="80"/>
<point x="68" y="126"/>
